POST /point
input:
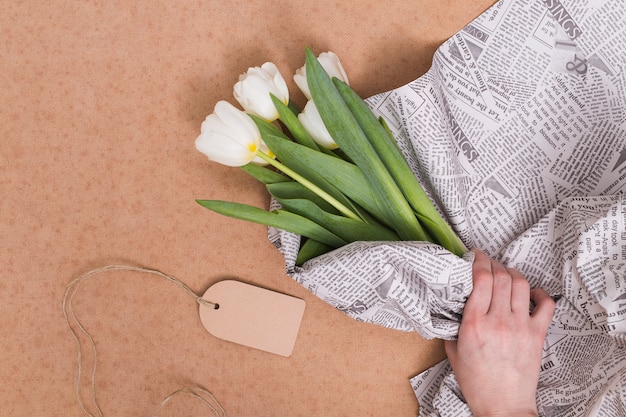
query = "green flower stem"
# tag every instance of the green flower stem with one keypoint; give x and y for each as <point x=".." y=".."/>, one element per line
<point x="308" y="184"/>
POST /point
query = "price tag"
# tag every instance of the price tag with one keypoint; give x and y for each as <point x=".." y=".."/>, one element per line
<point x="252" y="316"/>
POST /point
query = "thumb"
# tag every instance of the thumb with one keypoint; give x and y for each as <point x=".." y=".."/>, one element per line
<point x="450" y="347"/>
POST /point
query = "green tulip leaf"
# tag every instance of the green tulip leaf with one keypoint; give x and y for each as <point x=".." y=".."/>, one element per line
<point x="309" y="172"/>
<point x="295" y="190"/>
<point x="266" y="128"/>
<point x="443" y="234"/>
<point x="346" y="177"/>
<point x="348" y="134"/>
<point x="347" y="229"/>
<point x="293" y="107"/>
<point x="310" y="249"/>
<point x="290" y="120"/>
<point x="387" y="148"/>
<point x="280" y="219"/>
<point x="265" y="175"/>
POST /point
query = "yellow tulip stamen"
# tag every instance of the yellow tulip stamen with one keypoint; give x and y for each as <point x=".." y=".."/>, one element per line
<point x="308" y="184"/>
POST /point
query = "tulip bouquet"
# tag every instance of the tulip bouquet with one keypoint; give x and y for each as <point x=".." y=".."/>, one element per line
<point x="334" y="168"/>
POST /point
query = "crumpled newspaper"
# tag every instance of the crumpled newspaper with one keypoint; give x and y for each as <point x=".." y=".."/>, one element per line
<point x="532" y="170"/>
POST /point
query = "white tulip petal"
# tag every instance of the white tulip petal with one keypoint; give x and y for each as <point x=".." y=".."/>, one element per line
<point x="313" y="123"/>
<point x="254" y="87"/>
<point x="219" y="148"/>
<point x="228" y="136"/>
<point x="235" y="120"/>
<point x="331" y="64"/>
<point x="300" y="79"/>
<point x="255" y="98"/>
<point x="271" y="69"/>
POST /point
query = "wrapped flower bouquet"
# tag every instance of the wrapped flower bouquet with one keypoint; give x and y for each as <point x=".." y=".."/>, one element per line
<point x="333" y="167"/>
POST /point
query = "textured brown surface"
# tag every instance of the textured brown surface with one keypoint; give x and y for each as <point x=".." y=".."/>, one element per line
<point x="100" y="103"/>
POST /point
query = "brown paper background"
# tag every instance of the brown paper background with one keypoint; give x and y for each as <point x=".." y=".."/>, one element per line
<point x="100" y="102"/>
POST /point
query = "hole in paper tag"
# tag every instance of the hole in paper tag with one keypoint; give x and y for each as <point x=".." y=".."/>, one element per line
<point x="252" y="316"/>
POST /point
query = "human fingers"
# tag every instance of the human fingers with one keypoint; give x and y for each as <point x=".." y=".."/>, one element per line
<point x="544" y="308"/>
<point x="520" y="292"/>
<point x="480" y="299"/>
<point x="502" y="284"/>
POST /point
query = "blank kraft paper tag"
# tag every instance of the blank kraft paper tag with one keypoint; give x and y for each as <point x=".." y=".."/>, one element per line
<point x="252" y="316"/>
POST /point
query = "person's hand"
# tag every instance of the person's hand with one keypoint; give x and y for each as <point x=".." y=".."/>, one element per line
<point x="497" y="356"/>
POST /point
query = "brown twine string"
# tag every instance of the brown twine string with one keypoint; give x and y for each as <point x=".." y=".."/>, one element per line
<point x="195" y="392"/>
<point x="70" y="316"/>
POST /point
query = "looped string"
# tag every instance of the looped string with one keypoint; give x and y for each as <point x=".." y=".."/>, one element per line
<point x="78" y="329"/>
<point x="202" y="301"/>
<point x="196" y="392"/>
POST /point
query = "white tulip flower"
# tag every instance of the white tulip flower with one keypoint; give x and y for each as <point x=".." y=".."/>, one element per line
<point x="229" y="136"/>
<point x="253" y="90"/>
<point x="331" y="64"/>
<point x="313" y="123"/>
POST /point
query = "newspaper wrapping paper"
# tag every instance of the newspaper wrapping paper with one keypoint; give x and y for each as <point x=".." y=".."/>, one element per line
<point x="517" y="134"/>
